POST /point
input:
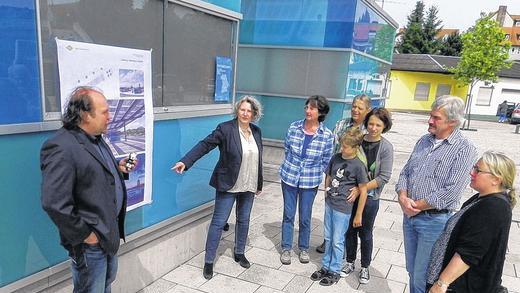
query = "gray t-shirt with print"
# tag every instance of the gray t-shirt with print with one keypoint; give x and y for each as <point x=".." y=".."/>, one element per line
<point x="344" y="174"/>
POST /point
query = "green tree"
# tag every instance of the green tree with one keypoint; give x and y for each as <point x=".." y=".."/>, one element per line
<point x="412" y="39"/>
<point x="484" y="53"/>
<point x="432" y="26"/>
<point x="420" y="32"/>
<point x="452" y="45"/>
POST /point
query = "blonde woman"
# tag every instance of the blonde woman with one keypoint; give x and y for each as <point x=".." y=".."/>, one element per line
<point x="469" y="255"/>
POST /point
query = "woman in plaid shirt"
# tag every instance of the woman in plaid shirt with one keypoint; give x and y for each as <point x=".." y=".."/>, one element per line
<point x="308" y="149"/>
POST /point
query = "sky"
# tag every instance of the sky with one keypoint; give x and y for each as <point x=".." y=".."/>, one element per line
<point x="459" y="14"/>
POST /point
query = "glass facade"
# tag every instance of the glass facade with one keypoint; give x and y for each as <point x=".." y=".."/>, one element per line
<point x="288" y="72"/>
<point x="292" y="49"/>
<point x="307" y="23"/>
<point x="366" y="76"/>
<point x="372" y="34"/>
<point x="20" y="100"/>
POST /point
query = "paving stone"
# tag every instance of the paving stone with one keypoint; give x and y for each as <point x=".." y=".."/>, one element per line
<point x="264" y="257"/>
<point x="266" y="276"/>
<point x="227" y="266"/>
<point x="186" y="275"/>
<point x="378" y="269"/>
<point x="226" y="284"/>
<point x="398" y="274"/>
<point x="264" y="289"/>
<point x="509" y="269"/>
<point x="387" y="243"/>
<point x="159" y="286"/>
<point x="298" y="284"/>
<point x="390" y="257"/>
<point x="300" y="269"/>
<point x="378" y="285"/>
<point x="512" y="284"/>
<point x="183" y="289"/>
<point x="341" y="287"/>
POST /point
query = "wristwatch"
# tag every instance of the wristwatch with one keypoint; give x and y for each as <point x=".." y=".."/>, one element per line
<point x="442" y="284"/>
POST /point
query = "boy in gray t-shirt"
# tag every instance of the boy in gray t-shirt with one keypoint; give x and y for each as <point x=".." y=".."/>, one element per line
<point x="345" y="171"/>
<point x="344" y="174"/>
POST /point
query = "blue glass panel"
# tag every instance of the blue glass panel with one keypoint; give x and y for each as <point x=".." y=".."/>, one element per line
<point x="289" y="72"/>
<point x="290" y="22"/>
<point x="33" y="242"/>
<point x="280" y="112"/>
<point x="372" y="34"/>
<point x="229" y="4"/>
<point x="340" y="23"/>
<point x="30" y="241"/>
<point x="366" y="76"/>
<point x="174" y="193"/>
<point x="20" y="100"/>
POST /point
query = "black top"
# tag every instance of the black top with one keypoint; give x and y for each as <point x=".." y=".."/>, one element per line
<point x="371" y="148"/>
<point x="480" y="238"/>
<point x="227" y="138"/>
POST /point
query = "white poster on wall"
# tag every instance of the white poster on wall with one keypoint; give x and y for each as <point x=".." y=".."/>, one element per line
<point x="124" y="77"/>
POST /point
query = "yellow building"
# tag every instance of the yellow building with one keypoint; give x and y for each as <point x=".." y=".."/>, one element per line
<point x="417" y="79"/>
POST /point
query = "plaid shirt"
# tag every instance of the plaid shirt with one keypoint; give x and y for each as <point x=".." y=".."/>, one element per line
<point x="340" y="128"/>
<point x="307" y="171"/>
<point x="438" y="175"/>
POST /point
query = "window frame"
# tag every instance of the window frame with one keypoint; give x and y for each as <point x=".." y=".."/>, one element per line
<point x="421" y="99"/>
<point x="186" y="111"/>
<point x="442" y="84"/>
<point x="160" y="112"/>
<point x="478" y="101"/>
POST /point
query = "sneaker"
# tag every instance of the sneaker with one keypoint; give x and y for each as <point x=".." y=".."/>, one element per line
<point x="347" y="269"/>
<point x="364" y="276"/>
<point x="304" y="256"/>
<point x="285" y="257"/>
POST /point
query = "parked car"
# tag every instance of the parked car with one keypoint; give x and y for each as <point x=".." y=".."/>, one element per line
<point x="515" y="115"/>
<point x="510" y="108"/>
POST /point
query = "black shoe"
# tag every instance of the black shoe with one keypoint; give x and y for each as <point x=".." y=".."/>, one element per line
<point x="321" y="248"/>
<point x="226" y="227"/>
<point x="330" y="279"/>
<point x="242" y="260"/>
<point x="207" y="272"/>
<point x="318" y="275"/>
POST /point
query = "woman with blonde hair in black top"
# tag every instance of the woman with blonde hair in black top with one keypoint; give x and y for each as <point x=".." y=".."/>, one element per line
<point x="470" y="253"/>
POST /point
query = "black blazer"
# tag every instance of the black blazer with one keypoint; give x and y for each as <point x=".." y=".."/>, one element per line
<point x="78" y="191"/>
<point x="227" y="138"/>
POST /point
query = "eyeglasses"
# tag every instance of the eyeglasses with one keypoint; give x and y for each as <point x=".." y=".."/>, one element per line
<point x="476" y="170"/>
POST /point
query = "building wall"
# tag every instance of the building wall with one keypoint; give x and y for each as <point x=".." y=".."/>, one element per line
<point x="403" y="88"/>
<point x="505" y="89"/>
<point x="31" y="258"/>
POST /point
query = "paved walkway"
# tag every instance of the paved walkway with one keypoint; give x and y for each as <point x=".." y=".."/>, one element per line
<point x="388" y="274"/>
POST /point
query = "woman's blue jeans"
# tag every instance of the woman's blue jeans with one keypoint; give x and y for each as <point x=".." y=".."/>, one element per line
<point x="335" y="225"/>
<point x="364" y="232"/>
<point x="223" y="205"/>
<point x="291" y="195"/>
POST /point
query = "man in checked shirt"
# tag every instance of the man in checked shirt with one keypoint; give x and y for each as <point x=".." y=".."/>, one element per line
<point x="431" y="184"/>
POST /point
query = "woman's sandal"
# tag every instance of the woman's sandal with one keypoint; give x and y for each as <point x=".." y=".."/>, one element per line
<point x="330" y="279"/>
<point x="318" y="275"/>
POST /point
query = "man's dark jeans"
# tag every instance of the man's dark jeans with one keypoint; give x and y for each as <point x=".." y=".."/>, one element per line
<point x="93" y="271"/>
